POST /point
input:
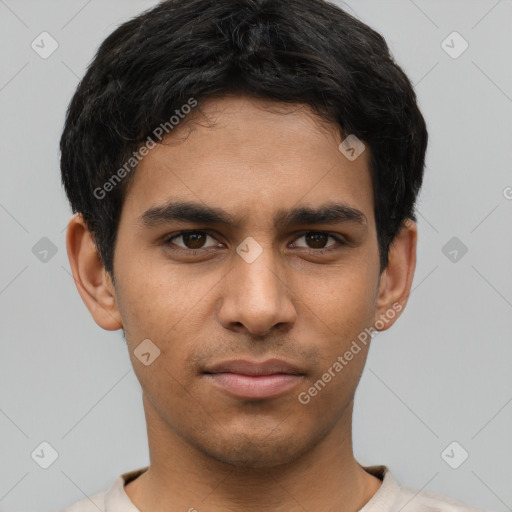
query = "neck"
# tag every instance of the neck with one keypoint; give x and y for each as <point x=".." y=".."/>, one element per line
<point x="181" y="477"/>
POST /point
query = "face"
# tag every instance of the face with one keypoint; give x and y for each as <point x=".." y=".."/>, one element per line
<point x="249" y="270"/>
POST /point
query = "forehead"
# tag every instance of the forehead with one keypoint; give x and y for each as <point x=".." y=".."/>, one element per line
<point x="251" y="157"/>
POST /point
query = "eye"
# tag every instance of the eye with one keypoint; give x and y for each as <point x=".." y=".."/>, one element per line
<point x="195" y="242"/>
<point x="192" y="240"/>
<point x="317" y="240"/>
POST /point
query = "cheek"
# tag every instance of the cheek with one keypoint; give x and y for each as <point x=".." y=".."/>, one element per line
<point x="339" y="313"/>
<point x="165" y="304"/>
<point x="158" y="305"/>
<point x="156" y="300"/>
<point x="342" y="302"/>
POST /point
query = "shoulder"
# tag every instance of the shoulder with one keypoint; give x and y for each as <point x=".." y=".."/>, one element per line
<point x="410" y="500"/>
<point x="392" y="497"/>
<point x="88" y="504"/>
<point x="112" y="500"/>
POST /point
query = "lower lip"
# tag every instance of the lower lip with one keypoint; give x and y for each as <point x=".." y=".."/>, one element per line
<point x="255" y="386"/>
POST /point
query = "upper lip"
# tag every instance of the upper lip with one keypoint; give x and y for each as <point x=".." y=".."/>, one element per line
<point x="246" y="367"/>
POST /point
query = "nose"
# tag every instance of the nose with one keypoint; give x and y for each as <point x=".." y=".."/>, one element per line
<point x="256" y="296"/>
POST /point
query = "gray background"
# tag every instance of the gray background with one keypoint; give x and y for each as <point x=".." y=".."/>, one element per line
<point x="442" y="374"/>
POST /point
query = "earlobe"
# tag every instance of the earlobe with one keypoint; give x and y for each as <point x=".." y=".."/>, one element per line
<point x="91" y="279"/>
<point x="396" y="280"/>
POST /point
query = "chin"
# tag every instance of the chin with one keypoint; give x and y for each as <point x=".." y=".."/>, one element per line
<point x="253" y="450"/>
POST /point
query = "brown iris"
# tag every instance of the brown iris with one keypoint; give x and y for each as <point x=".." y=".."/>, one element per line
<point x="194" y="239"/>
<point x="316" y="240"/>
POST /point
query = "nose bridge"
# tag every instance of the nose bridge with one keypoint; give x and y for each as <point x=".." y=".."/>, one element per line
<point x="256" y="296"/>
<point x="257" y="271"/>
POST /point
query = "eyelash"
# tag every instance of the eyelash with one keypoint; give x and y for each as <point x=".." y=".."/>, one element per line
<point x="192" y="252"/>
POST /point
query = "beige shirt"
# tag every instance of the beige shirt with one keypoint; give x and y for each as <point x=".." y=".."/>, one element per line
<point x="390" y="497"/>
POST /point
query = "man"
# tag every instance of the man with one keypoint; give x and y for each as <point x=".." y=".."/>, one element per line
<point x="244" y="175"/>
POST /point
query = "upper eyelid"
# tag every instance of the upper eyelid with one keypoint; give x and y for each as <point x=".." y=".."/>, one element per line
<point x="170" y="238"/>
<point x="336" y="237"/>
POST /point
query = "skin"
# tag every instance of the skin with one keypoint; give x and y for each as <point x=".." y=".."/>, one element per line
<point x="209" y="450"/>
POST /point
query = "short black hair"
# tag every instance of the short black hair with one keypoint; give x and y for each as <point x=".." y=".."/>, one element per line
<point x="294" y="51"/>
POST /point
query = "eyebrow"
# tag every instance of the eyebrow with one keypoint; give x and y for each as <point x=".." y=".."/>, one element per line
<point x="330" y="213"/>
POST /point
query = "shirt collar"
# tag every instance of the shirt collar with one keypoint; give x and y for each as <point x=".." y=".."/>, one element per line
<point x="116" y="498"/>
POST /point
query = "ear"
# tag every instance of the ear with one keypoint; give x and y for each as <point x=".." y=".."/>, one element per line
<point x="396" y="279"/>
<point x="94" y="284"/>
